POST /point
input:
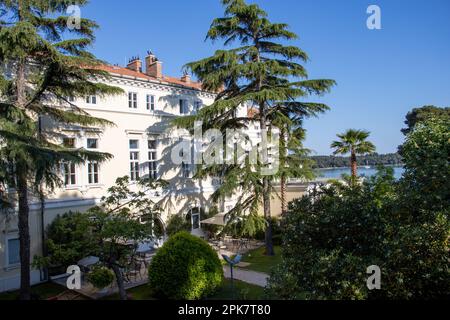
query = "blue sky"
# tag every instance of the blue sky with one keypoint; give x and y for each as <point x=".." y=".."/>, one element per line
<point x="381" y="74"/>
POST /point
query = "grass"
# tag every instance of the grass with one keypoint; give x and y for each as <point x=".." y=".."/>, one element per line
<point x="143" y="292"/>
<point x="42" y="291"/>
<point x="242" y="291"/>
<point x="260" y="262"/>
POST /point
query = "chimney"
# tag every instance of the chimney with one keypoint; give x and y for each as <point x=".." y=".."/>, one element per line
<point x="186" y="78"/>
<point x="135" y="64"/>
<point x="153" y="66"/>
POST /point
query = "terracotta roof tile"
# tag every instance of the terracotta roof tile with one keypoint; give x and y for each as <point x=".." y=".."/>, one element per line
<point x="252" y="112"/>
<point x="165" y="79"/>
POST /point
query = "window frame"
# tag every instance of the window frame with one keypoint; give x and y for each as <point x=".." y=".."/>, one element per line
<point x="151" y="104"/>
<point x="93" y="169"/>
<point x="92" y="99"/>
<point x="183" y="105"/>
<point x="7" y="251"/>
<point x="134" y="168"/>
<point x="132" y="100"/>
<point x="152" y="158"/>
<point x="96" y="144"/>
<point x="197" y="214"/>
<point x="68" y="175"/>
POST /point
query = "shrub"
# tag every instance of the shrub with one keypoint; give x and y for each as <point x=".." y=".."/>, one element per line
<point x="186" y="267"/>
<point x="176" y="224"/>
<point x="100" y="277"/>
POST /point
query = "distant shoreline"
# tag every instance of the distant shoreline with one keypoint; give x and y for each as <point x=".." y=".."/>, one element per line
<point x="371" y="166"/>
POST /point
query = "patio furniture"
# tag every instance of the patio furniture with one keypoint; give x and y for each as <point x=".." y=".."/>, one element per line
<point x="87" y="262"/>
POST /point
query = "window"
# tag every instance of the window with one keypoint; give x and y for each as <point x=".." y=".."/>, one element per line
<point x="185" y="170"/>
<point x="92" y="143"/>
<point x="152" y="144"/>
<point x="183" y="106"/>
<point x="69" y="142"/>
<point x="152" y="159"/>
<point x="71" y="99"/>
<point x="13" y="251"/>
<point x="134" y="165"/>
<point x="69" y="174"/>
<point x="195" y="218"/>
<point x="150" y="102"/>
<point x="132" y="100"/>
<point x="197" y="106"/>
<point x="134" y="160"/>
<point x="91" y="99"/>
<point x="134" y="144"/>
<point x="92" y="172"/>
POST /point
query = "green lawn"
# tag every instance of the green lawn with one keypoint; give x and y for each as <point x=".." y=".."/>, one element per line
<point x="42" y="291"/>
<point x="242" y="291"/>
<point x="143" y="292"/>
<point x="260" y="262"/>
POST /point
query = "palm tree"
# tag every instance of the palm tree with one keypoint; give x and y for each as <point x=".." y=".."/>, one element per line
<point x="354" y="142"/>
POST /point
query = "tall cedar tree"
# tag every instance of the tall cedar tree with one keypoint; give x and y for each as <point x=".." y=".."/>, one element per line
<point x="260" y="73"/>
<point x="40" y="68"/>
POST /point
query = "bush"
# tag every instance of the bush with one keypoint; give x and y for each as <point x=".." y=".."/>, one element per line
<point x="176" y="224"/>
<point x="334" y="236"/>
<point x="67" y="241"/>
<point x="186" y="267"/>
<point x="100" y="277"/>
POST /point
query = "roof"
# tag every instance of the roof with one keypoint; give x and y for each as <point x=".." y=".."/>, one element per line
<point x="140" y="75"/>
<point x="252" y="112"/>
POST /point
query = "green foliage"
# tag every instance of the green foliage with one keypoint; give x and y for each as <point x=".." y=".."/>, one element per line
<point x="100" y="277"/>
<point x="176" y="224"/>
<point x="106" y="230"/>
<point x="186" y="267"/>
<point x="353" y="141"/>
<point x="427" y="171"/>
<point x="43" y="62"/>
<point x="374" y="159"/>
<point x="276" y="232"/>
<point x="264" y="72"/>
<point x="247" y="226"/>
<point x="66" y="237"/>
<point x="418" y="115"/>
<point x="331" y="236"/>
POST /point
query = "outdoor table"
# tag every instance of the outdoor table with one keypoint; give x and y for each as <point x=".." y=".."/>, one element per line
<point x="88" y="261"/>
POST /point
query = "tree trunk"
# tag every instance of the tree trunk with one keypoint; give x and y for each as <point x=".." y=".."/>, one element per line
<point x="119" y="280"/>
<point x="22" y="190"/>
<point x="24" y="234"/>
<point x="266" y="181"/>
<point x="283" y="175"/>
<point x="266" y="186"/>
<point x="353" y="164"/>
<point x="283" y="195"/>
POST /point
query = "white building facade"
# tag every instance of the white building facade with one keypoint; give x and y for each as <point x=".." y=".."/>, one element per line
<point x="140" y="141"/>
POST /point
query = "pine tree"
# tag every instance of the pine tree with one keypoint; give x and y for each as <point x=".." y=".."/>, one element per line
<point x="261" y="72"/>
<point x="40" y="69"/>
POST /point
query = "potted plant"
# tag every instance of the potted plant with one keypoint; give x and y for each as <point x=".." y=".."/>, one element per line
<point x="101" y="277"/>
